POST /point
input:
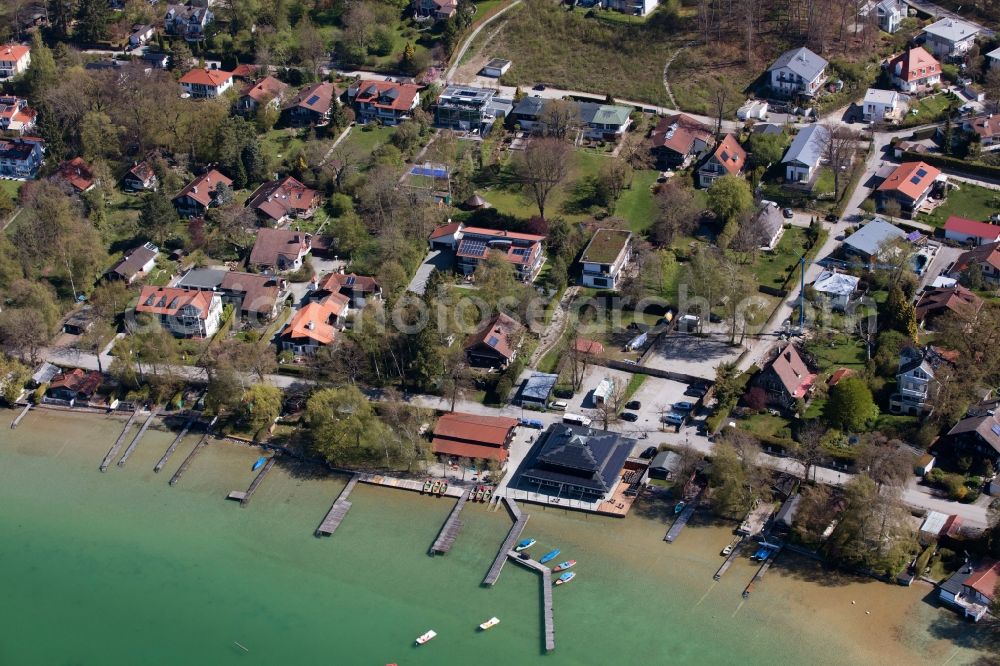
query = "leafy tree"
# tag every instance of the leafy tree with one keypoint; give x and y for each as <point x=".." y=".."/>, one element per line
<point x="730" y="197"/>
<point x="872" y="529"/>
<point x="850" y="406"/>
<point x="887" y="461"/>
<point x="261" y="406"/>
<point x="767" y="149"/>
<point x="343" y="426"/>
<point x="900" y="314"/>
<point x="736" y="478"/>
<point x="41" y="73"/>
<point x="13" y="377"/>
<point x="158" y="216"/>
<point x="677" y="212"/>
<point x="99" y="136"/>
<point x="93" y="16"/>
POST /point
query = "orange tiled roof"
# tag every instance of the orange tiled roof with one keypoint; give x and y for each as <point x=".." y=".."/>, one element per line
<point x="910" y="179"/>
<point x="170" y="300"/>
<point x="730" y="154"/>
<point x="206" y="77"/>
<point x="914" y="64"/>
<point x="312" y="321"/>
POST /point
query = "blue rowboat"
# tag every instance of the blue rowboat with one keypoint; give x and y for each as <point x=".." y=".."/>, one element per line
<point x="524" y="544"/>
<point x="566" y="577"/>
<point x="260" y="463"/>
<point x="549" y="556"/>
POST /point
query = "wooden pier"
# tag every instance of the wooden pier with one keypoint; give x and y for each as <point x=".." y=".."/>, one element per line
<point x="407" y="484"/>
<point x="550" y="630"/>
<point x="113" y="451"/>
<point x="135" y="440"/>
<point x="731" y="558"/>
<point x="203" y="442"/>
<point x="760" y="572"/>
<point x="24" y="412"/>
<point x="681" y="521"/>
<point x="452" y="526"/>
<point x="520" y="520"/>
<point x="244" y="497"/>
<point x="339" y="509"/>
<point x="177" y="440"/>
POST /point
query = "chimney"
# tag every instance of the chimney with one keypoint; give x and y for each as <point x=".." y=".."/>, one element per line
<point x="311" y="325"/>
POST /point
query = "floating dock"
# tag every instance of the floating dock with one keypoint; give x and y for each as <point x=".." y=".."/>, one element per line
<point x="550" y="630"/>
<point x="339" y="509"/>
<point x="135" y="440"/>
<point x="177" y="440"/>
<point x="730" y="558"/>
<point x="760" y="572"/>
<point x="17" y="419"/>
<point x="520" y="520"/>
<point x="452" y="526"/>
<point x="202" y="443"/>
<point x="244" y="496"/>
<point x="682" y="520"/>
<point x="407" y="484"/>
<point x="113" y="451"/>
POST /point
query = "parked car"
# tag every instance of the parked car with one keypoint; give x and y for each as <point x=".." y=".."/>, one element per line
<point x="539" y="86"/>
<point x="696" y="391"/>
<point x="831" y="217"/>
<point x="561" y="405"/>
<point x="631" y="417"/>
<point x="683" y="406"/>
<point x="649" y="452"/>
<point x="633" y="405"/>
<point x="532" y="423"/>
<point x="673" y="418"/>
<point x="787" y="213"/>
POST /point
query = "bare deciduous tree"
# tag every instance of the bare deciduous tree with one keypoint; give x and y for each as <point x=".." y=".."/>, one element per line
<point x="840" y="145"/>
<point x="560" y="118"/>
<point x="542" y="167"/>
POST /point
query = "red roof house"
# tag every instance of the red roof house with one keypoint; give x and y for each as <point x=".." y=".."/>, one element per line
<point x="970" y="231"/>
<point x="473" y="436"/>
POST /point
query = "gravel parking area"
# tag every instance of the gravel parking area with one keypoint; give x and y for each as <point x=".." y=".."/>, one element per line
<point x="692" y="355"/>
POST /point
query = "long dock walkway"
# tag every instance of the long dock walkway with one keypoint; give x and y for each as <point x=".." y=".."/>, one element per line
<point x="339" y="509"/>
<point x="452" y="526"/>
<point x="550" y="630"/>
<point x="760" y="572"/>
<point x="135" y="440"/>
<point x="733" y="554"/>
<point x="177" y="440"/>
<point x="520" y="520"/>
<point x="113" y="451"/>
<point x="202" y="443"/>
<point x="406" y="484"/>
<point x="681" y="521"/>
<point x="257" y="481"/>
<point x="24" y="412"/>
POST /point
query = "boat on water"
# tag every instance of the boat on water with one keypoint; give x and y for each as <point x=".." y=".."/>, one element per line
<point x="428" y="484"/>
<point x="260" y="463"/>
<point x="436" y="488"/>
<point x="568" y="564"/>
<point x="679" y="507"/>
<point x="490" y="623"/>
<point x="761" y="554"/>
<point x="487" y="494"/>
<point x="549" y="556"/>
<point x="444" y="488"/>
<point x="423" y="638"/>
<point x="479" y="494"/>
<point x="727" y="550"/>
<point x="566" y="577"/>
<point x="524" y="544"/>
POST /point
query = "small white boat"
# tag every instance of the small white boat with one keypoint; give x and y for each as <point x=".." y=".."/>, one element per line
<point x="426" y="637"/>
<point x="490" y="623"/>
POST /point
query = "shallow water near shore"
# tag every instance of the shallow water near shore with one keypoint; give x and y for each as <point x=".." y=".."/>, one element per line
<point x="121" y="568"/>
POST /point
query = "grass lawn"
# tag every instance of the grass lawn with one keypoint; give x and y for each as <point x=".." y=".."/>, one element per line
<point x="11" y="187"/>
<point x="969" y="201"/>
<point x="363" y="139"/>
<point x="772" y="268"/>
<point x="766" y="424"/>
<point x="573" y="199"/>
<point x="637" y="204"/>
<point x="929" y="109"/>
<point x="162" y="272"/>
<point x="550" y="360"/>
<point x="633" y="385"/>
<point x="846" y="352"/>
<point x="278" y="145"/>
<point x="824" y="182"/>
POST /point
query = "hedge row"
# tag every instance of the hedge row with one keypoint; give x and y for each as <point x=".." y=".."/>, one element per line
<point x="955" y="164"/>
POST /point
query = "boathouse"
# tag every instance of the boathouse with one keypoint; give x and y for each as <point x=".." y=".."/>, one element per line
<point x="471" y="436"/>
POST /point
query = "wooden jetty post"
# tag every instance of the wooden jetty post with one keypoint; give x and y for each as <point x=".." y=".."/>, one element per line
<point x="339" y="509"/>
<point x="203" y="442"/>
<point x="550" y="630"/>
<point x="177" y="440"/>
<point x="257" y="481"/>
<point x="135" y="440"/>
<point x="452" y="526"/>
<point x="113" y="451"/>
<point x="520" y="520"/>
<point x="24" y="412"/>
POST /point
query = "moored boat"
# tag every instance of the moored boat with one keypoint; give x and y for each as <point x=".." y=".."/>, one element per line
<point x="678" y="507"/>
<point x="566" y="577"/>
<point x="260" y="463"/>
<point x="423" y="638"/>
<point x="479" y="494"/>
<point x="524" y="544"/>
<point x="568" y="564"/>
<point x="487" y="494"/>
<point x="428" y="484"/>
<point x="490" y="623"/>
<point x="444" y="488"/>
<point x="727" y="550"/>
<point x="436" y="488"/>
<point x="549" y="556"/>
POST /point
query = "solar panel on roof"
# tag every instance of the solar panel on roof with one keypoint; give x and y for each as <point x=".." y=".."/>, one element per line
<point x="996" y="429"/>
<point x="350" y="280"/>
<point x="921" y="172"/>
<point x="725" y="155"/>
<point x="312" y="100"/>
<point x="492" y="342"/>
<point x="915" y="180"/>
<point x="473" y="248"/>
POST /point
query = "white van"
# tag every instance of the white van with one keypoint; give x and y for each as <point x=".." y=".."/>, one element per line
<point x="560" y="405"/>
<point x="576" y="419"/>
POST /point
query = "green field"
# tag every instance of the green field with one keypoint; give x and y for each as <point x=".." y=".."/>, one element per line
<point x="363" y="139"/>
<point x="638" y="204"/>
<point x="969" y="201"/>
<point x="772" y="268"/>
<point x="11" y="187"/>
<point x="573" y="199"/>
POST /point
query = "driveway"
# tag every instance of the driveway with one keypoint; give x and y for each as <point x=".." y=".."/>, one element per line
<point x="694" y="355"/>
